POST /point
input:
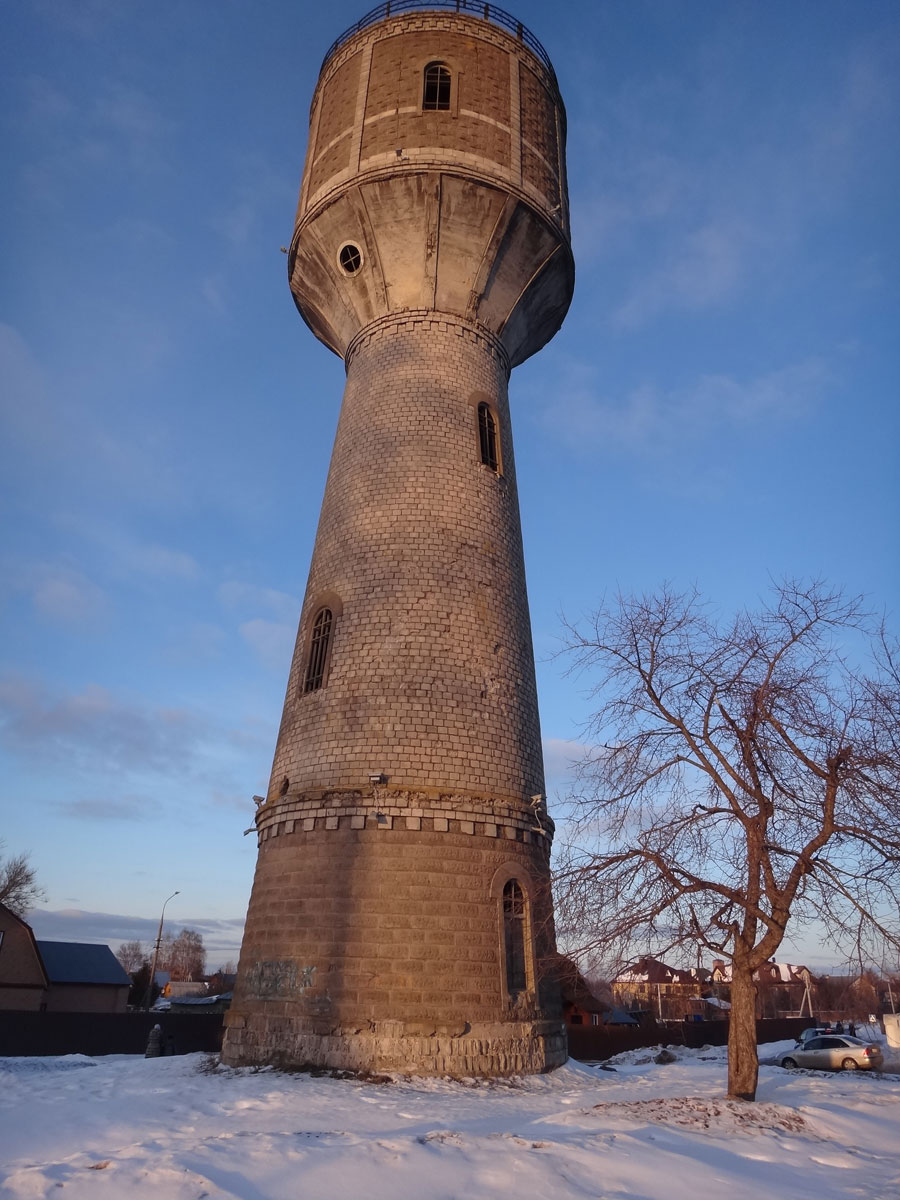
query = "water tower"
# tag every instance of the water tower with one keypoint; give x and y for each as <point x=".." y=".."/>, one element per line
<point x="400" y="918"/>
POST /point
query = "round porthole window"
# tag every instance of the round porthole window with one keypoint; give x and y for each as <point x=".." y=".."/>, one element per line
<point x="350" y="258"/>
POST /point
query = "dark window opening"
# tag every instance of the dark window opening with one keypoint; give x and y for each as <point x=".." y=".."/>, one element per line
<point x="436" y="93"/>
<point x="350" y="258"/>
<point x="514" y="938"/>
<point x="318" y="650"/>
<point x="576" y="1019"/>
<point x="487" y="436"/>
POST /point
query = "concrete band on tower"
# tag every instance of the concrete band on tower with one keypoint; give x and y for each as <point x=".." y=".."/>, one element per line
<point x="400" y="917"/>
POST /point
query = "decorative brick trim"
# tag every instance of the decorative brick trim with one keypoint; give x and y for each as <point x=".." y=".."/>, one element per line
<point x="427" y="811"/>
<point x="427" y="320"/>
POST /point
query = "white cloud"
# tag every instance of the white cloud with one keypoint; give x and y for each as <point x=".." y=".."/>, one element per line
<point x="28" y="419"/>
<point x="161" y="561"/>
<point x="560" y="758"/>
<point x="273" y="641"/>
<point x="198" y="642"/>
<point x="248" y="597"/>
<point x="221" y="937"/>
<point x="257" y="186"/>
<point x="114" y="807"/>
<point x="688" y="204"/>
<point x="214" y="290"/>
<point x="118" y="740"/>
<point x="62" y="593"/>
<point x="654" y="421"/>
<point x="702" y="269"/>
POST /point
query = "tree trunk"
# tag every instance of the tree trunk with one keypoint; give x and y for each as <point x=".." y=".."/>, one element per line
<point x="743" y="1061"/>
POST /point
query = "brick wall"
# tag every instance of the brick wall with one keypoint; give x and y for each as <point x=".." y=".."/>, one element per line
<point x="490" y="127"/>
<point x="431" y="675"/>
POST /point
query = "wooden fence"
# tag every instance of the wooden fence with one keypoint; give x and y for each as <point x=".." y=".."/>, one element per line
<point x="36" y="1033"/>
<point x="46" y="1033"/>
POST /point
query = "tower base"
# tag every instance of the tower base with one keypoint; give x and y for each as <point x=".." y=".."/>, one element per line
<point x="397" y="1047"/>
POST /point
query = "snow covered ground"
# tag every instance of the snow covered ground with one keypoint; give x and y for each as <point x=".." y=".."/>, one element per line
<point x="182" y="1128"/>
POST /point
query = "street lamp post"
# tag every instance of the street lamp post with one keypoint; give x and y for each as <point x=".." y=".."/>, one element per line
<point x="148" y="1000"/>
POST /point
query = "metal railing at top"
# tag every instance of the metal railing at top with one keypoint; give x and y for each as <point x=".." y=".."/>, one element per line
<point x="474" y="8"/>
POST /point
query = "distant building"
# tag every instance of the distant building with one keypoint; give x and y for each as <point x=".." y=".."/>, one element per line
<point x="23" y="979"/>
<point x="41" y="976"/>
<point x="176" y="988"/>
<point x="782" y="989"/>
<point x="669" y="993"/>
<point x="580" y="1005"/>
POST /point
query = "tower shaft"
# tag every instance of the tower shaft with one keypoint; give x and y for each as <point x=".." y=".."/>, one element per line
<point x="419" y="553"/>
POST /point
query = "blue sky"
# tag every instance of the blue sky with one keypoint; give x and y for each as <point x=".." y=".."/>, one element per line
<point x="719" y="407"/>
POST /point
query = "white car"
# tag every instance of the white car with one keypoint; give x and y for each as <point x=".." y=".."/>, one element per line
<point x="835" y="1051"/>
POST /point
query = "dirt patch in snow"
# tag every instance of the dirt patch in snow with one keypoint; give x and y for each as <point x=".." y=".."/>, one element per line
<point x="720" y="1116"/>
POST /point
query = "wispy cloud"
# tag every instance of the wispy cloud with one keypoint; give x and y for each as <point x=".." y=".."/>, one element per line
<point x="198" y="642"/>
<point x="250" y="598"/>
<point x="52" y="439"/>
<point x="221" y="938"/>
<point x="272" y="640"/>
<point x="700" y="270"/>
<point x="270" y="636"/>
<point x="160" y="561"/>
<point x="560" y="758"/>
<point x="257" y="186"/>
<point x="111" y="807"/>
<point x="61" y="593"/>
<point x="89" y="19"/>
<point x="690" y="216"/>
<point x="651" y="421"/>
<point x="116" y="739"/>
<point x="116" y="128"/>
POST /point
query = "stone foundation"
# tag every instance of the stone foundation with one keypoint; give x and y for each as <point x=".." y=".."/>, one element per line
<point x="392" y="1047"/>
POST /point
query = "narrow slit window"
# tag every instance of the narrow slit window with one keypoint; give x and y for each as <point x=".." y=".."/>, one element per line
<point x="436" y="92"/>
<point x="487" y="436"/>
<point x="514" y="916"/>
<point x="318" y="650"/>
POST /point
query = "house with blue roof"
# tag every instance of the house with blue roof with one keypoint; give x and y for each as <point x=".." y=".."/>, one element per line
<point x="57" y="976"/>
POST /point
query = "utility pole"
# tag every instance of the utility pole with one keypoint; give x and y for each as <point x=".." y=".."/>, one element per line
<point x="148" y="999"/>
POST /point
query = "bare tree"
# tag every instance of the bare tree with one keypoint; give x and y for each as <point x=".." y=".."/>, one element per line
<point x="132" y="956"/>
<point x="184" y="956"/>
<point x="746" y="779"/>
<point x="19" y="888"/>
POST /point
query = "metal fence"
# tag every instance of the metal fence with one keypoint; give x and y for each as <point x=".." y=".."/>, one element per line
<point x="596" y="1043"/>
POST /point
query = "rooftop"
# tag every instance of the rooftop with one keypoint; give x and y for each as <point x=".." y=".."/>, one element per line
<point x="81" y="962"/>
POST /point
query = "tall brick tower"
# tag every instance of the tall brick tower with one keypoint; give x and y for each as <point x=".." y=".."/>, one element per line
<point x="400" y="917"/>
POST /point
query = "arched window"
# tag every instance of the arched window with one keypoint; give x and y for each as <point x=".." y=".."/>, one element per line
<point x="436" y="90"/>
<point x="514" y="918"/>
<point x="487" y="437"/>
<point x="318" y="650"/>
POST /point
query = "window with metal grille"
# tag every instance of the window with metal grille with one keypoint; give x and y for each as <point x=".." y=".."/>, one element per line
<point x="350" y="258"/>
<point x="318" y="650"/>
<point x="514" y="916"/>
<point x="436" y="92"/>
<point x="487" y="436"/>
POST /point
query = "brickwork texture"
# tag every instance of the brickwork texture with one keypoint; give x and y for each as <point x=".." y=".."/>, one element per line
<point x="406" y="790"/>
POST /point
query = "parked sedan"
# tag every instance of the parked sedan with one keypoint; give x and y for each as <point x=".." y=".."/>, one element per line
<point x="835" y="1052"/>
